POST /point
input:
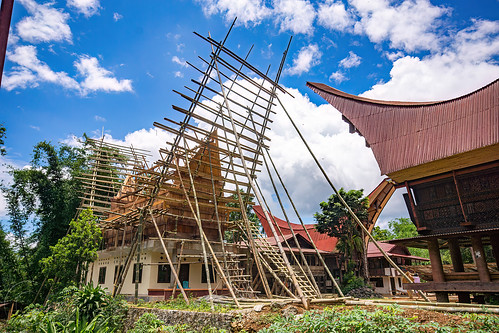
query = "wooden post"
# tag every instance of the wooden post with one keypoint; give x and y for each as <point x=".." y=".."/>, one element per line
<point x="494" y="241"/>
<point x="167" y="255"/>
<point x="437" y="269"/>
<point x="481" y="263"/>
<point x="179" y="262"/>
<point x="457" y="264"/>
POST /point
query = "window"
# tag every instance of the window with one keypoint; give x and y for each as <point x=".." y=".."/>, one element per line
<point x="102" y="275"/>
<point x="134" y="277"/>
<point x="378" y="282"/>
<point x="117" y="272"/>
<point x="203" y="274"/>
<point x="164" y="273"/>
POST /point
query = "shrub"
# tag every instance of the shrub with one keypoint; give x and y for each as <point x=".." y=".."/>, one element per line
<point x="351" y="281"/>
<point x="72" y="310"/>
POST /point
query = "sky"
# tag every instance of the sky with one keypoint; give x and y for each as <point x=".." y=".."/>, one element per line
<point x="87" y="66"/>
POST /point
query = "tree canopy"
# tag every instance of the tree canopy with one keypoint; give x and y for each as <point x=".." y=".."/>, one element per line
<point x="41" y="201"/>
<point x="335" y="220"/>
<point x="71" y="255"/>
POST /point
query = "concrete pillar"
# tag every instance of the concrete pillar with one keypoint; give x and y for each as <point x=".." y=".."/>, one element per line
<point x="494" y="241"/>
<point x="437" y="269"/>
<point x="481" y="263"/>
<point x="457" y="264"/>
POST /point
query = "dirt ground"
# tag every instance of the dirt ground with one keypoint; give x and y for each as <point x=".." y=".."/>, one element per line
<point x="254" y="321"/>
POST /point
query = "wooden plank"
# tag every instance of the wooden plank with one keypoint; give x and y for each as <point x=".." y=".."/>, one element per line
<point x="464" y="286"/>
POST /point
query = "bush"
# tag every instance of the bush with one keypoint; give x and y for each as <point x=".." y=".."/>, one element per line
<point x="350" y="282"/>
<point x="72" y="310"/>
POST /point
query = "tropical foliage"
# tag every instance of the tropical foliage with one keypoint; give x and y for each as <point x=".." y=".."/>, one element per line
<point x="335" y="220"/>
<point x="72" y="310"/>
<point x="41" y="201"/>
<point x="70" y="257"/>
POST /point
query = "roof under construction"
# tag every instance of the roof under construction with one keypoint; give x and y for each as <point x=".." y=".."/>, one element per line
<point x="442" y="135"/>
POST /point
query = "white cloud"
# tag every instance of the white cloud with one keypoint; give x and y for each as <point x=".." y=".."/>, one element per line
<point x="178" y="74"/>
<point x="248" y="12"/>
<point x="329" y="138"/>
<point x="86" y="7"/>
<point x="36" y="128"/>
<point x="31" y="71"/>
<point x="392" y="56"/>
<point x="338" y="77"/>
<point x="117" y="17"/>
<point x="464" y="66"/>
<point x="45" y="23"/>
<point x="333" y="15"/>
<point x="352" y="60"/>
<point x="98" y="78"/>
<point x="307" y="57"/>
<point x="294" y="15"/>
<point x="151" y="139"/>
<point x="409" y="25"/>
<point x="99" y="118"/>
<point x="177" y="60"/>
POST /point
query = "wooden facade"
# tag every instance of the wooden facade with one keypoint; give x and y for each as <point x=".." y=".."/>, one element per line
<point x="445" y="155"/>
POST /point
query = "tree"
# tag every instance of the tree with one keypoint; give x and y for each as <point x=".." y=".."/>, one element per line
<point x="71" y="255"/>
<point x="235" y="235"/>
<point x="336" y="221"/>
<point x="401" y="228"/>
<point x="41" y="202"/>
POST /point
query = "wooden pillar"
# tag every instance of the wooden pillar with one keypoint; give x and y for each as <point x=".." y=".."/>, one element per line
<point x="437" y="269"/>
<point x="494" y="241"/>
<point x="457" y="264"/>
<point x="479" y="254"/>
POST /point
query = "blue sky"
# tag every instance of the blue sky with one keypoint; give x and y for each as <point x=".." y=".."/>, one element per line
<point x="83" y="65"/>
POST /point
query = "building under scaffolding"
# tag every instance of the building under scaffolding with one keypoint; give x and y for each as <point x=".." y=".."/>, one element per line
<point x="165" y="225"/>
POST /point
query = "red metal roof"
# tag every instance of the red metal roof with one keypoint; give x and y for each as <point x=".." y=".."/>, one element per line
<point x="408" y="134"/>
<point x="374" y="252"/>
<point x="322" y="241"/>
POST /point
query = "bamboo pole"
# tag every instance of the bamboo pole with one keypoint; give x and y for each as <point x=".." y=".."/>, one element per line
<point x="200" y="226"/>
<point x="304" y="227"/>
<point x="167" y="255"/>
<point x="179" y="262"/>
<point x="343" y="202"/>
<point x="291" y="272"/>
<point x="205" y="239"/>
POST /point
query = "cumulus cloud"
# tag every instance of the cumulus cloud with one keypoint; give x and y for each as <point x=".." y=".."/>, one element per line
<point x="98" y="78"/>
<point x="31" y="71"/>
<point x="294" y="15"/>
<point x="45" y="23"/>
<point x="99" y="118"/>
<point x="337" y="77"/>
<point x="462" y="67"/>
<point x="248" y="12"/>
<point x="352" y="60"/>
<point x="333" y="15"/>
<point x="307" y="57"/>
<point x="86" y="7"/>
<point x="151" y="139"/>
<point x="407" y="25"/>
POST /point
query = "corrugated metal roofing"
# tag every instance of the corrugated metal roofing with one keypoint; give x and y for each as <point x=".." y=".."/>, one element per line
<point x="322" y="241"/>
<point x="408" y="134"/>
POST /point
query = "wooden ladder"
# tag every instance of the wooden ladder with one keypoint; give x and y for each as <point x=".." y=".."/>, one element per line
<point x="274" y="262"/>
